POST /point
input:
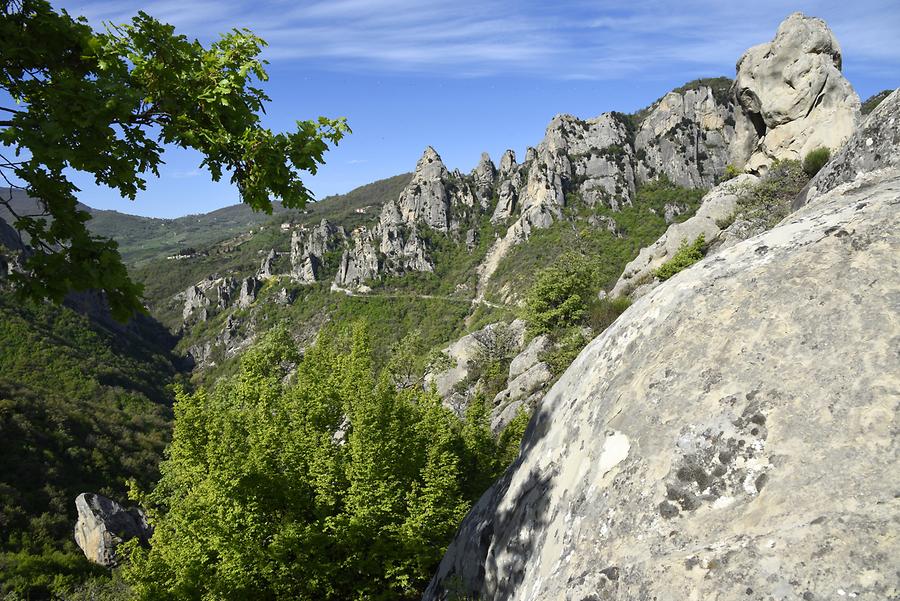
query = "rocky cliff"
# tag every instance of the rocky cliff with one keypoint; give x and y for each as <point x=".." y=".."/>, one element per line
<point x="733" y="434"/>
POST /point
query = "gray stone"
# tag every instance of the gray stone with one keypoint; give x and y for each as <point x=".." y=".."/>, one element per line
<point x="690" y="137"/>
<point x="196" y="304"/>
<point x="524" y="384"/>
<point x="426" y="197"/>
<point x="793" y="91"/>
<point x="874" y="145"/>
<point x="250" y="288"/>
<point x="733" y="433"/>
<point x="529" y="356"/>
<point x="103" y="525"/>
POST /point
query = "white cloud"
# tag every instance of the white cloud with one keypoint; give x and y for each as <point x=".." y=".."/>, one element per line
<point x="576" y="39"/>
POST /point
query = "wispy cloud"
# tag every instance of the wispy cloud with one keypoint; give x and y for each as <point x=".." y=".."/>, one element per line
<point x="574" y="39"/>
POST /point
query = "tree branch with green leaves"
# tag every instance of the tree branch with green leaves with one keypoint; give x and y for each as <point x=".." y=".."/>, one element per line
<point x="107" y="103"/>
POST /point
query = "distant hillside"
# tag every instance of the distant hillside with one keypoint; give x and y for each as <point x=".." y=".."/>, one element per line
<point x="82" y="407"/>
<point x="144" y="238"/>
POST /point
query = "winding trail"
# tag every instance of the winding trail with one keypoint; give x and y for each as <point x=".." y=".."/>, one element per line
<point x="471" y="302"/>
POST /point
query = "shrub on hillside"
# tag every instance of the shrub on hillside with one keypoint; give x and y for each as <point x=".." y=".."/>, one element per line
<point x="769" y="201"/>
<point x="687" y="254"/>
<point x="731" y="172"/>
<point x="560" y="296"/>
<point x="815" y="160"/>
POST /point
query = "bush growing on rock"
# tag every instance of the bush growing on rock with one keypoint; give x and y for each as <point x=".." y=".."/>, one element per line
<point x="815" y="160"/>
<point x="687" y="254"/>
<point x="769" y="201"/>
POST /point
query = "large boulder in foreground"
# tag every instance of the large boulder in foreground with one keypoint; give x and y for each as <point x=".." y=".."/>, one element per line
<point x="793" y="91"/>
<point x="732" y="436"/>
<point x="103" y="525"/>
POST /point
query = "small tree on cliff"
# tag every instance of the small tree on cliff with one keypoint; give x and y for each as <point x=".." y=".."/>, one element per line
<point x="105" y="103"/>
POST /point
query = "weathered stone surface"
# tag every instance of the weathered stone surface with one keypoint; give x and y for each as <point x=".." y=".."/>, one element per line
<point x="731" y="435"/>
<point x="718" y="204"/>
<point x="359" y="263"/>
<point x="307" y="272"/>
<point x="427" y="198"/>
<point x="529" y="356"/>
<point x="103" y="525"/>
<point x="874" y="145"/>
<point x="196" y="304"/>
<point x="793" y="91"/>
<point x="250" y="288"/>
<point x="483" y="175"/>
<point x="691" y="136"/>
<point x="309" y="247"/>
<point x="524" y="384"/>
<point x="265" y="266"/>
<point x="495" y="338"/>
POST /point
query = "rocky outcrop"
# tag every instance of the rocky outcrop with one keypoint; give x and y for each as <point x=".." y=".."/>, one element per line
<point x="494" y="341"/>
<point x="794" y="93"/>
<point x="502" y="343"/>
<point x="731" y="434"/>
<point x="265" y="267"/>
<point x="309" y="247"/>
<point x="250" y="288"/>
<point x="196" y="304"/>
<point x="483" y="175"/>
<point x="691" y="135"/>
<point x="718" y="204"/>
<point x="874" y="145"/>
<point x="103" y="525"/>
<point x="427" y="197"/>
<point x="360" y="262"/>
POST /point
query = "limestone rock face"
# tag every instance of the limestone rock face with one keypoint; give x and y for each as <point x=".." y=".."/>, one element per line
<point x="483" y="175"/>
<point x="718" y="204"/>
<point x="509" y="182"/>
<point x="793" y="91"/>
<point x="733" y="433"/>
<point x="265" y="267"/>
<point x="874" y="145"/>
<point x="691" y="136"/>
<point x="307" y="272"/>
<point x="309" y="247"/>
<point x="250" y="288"/>
<point x="359" y="262"/>
<point x="103" y="525"/>
<point x="195" y="304"/>
<point x="427" y="198"/>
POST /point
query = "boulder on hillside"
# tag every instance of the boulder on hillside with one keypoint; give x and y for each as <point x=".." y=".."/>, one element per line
<point x="733" y="435"/>
<point x="103" y="525"/>
<point x="793" y="91"/>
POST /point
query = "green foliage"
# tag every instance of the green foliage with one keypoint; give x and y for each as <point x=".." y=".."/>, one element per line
<point x="603" y="311"/>
<point x="81" y="409"/>
<point x="769" y="201"/>
<point x="687" y="254"/>
<point x="873" y="101"/>
<point x="332" y="483"/>
<point x="731" y="172"/>
<point x="637" y="225"/>
<point x="559" y="297"/>
<point x="568" y="343"/>
<point x="105" y="103"/>
<point x="815" y="160"/>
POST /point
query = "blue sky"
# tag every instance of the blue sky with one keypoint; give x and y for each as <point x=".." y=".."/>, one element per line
<point x="473" y="75"/>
